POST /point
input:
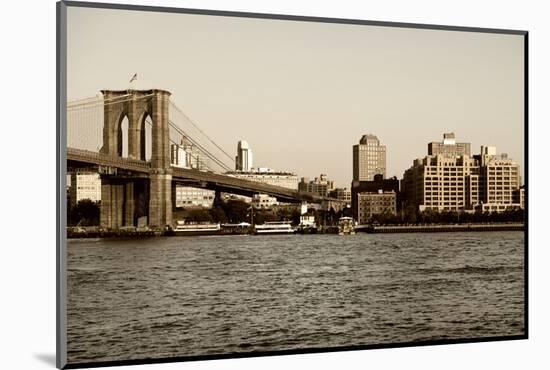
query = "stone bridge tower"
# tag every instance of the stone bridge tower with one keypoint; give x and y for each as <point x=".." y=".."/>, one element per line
<point x="126" y="198"/>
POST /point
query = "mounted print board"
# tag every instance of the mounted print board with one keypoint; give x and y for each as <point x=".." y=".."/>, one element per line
<point x="237" y="185"/>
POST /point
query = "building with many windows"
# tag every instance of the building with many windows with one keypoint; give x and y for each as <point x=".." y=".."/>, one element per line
<point x="439" y="183"/>
<point x="85" y="185"/>
<point x="449" y="146"/>
<point x="500" y="180"/>
<point x="321" y="185"/>
<point x="263" y="201"/>
<point x="519" y="197"/>
<point x="245" y="171"/>
<point x="343" y="194"/>
<point x="458" y="182"/>
<point x="379" y="183"/>
<point x="190" y="197"/>
<point x="268" y="176"/>
<point x="369" y="159"/>
<point x="372" y="204"/>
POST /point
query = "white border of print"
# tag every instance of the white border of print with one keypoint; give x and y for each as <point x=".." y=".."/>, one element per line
<point x="28" y="254"/>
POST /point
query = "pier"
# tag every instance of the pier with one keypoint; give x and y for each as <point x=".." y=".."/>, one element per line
<point x="377" y="229"/>
<point x="145" y="232"/>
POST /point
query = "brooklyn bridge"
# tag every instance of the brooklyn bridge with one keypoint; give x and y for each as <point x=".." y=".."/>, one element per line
<point x="126" y="136"/>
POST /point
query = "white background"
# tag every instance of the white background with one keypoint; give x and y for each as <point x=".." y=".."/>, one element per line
<point x="27" y="208"/>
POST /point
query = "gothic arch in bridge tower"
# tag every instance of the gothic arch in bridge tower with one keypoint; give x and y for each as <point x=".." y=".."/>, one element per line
<point x="144" y="110"/>
<point x="146" y="136"/>
<point x="123" y="195"/>
<point x="122" y="135"/>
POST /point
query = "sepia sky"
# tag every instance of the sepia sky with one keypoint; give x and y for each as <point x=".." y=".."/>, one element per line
<point x="301" y="93"/>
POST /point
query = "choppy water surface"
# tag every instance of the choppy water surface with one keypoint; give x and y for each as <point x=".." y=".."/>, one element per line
<point x="164" y="297"/>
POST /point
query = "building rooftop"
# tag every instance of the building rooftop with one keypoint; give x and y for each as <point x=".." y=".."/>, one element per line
<point x="243" y="145"/>
<point x="368" y="137"/>
<point x="260" y="173"/>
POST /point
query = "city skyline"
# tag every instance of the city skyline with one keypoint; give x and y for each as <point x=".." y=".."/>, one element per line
<point x="301" y="103"/>
<point x="430" y="151"/>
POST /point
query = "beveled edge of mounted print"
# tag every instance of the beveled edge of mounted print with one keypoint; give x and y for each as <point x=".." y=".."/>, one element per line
<point x="250" y="261"/>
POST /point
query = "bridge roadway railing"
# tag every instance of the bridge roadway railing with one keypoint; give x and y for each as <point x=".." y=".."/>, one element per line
<point x="87" y="156"/>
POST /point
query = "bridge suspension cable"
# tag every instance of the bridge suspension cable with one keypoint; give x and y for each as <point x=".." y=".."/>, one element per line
<point x="104" y="102"/>
<point x="194" y="156"/>
<point x="94" y="100"/>
<point x="202" y="148"/>
<point x="85" y="121"/>
<point x="201" y="131"/>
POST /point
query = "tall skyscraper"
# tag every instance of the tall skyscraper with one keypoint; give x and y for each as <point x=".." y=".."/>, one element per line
<point x="369" y="159"/>
<point x="243" y="160"/>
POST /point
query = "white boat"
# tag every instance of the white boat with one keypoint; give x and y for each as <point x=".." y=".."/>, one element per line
<point x="346" y="226"/>
<point x="236" y="229"/>
<point x="203" y="228"/>
<point x="274" y="227"/>
<point x="307" y="225"/>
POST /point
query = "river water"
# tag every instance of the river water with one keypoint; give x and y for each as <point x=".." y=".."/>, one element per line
<point x="186" y="296"/>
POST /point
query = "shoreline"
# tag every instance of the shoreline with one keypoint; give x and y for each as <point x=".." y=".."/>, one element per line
<point x="396" y="229"/>
<point x="128" y="233"/>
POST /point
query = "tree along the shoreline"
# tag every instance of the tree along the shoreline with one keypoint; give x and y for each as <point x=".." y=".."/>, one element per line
<point x="87" y="213"/>
<point x="409" y="216"/>
<point x="84" y="213"/>
<point x="236" y="211"/>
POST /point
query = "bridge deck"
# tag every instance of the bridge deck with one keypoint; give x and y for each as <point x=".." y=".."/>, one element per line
<point x="89" y="157"/>
<point x="191" y="177"/>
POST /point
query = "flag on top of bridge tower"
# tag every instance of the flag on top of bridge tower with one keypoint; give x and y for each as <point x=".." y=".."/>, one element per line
<point x="132" y="83"/>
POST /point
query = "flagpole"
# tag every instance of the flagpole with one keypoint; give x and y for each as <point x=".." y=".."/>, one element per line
<point x="132" y="84"/>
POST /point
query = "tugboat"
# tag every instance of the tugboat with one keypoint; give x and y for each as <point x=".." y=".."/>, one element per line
<point x="346" y="226"/>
